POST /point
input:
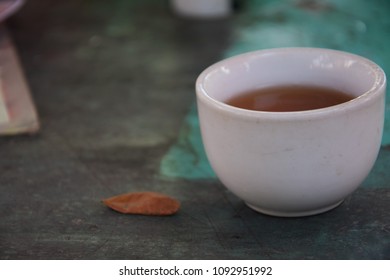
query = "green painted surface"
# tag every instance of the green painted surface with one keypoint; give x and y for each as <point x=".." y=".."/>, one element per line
<point x="187" y="158"/>
<point x="360" y="27"/>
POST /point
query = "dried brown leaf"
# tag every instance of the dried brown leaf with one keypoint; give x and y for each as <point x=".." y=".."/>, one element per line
<point x="143" y="203"/>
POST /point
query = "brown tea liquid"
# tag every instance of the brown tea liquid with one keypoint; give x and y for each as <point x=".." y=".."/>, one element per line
<point x="289" y="98"/>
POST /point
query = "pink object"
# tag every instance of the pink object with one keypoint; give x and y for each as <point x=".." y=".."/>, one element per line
<point x="9" y="7"/>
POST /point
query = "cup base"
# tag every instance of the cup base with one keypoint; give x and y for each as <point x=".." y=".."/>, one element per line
<point x="294" y="214"/>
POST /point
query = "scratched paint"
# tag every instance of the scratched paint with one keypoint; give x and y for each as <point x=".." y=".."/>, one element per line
<point x="359" y="27"/>
<point x="186" y="158"/>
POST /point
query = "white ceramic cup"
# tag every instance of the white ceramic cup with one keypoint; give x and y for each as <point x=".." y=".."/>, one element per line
<point x="292" y="163"/>
<point x="202" y="8"/>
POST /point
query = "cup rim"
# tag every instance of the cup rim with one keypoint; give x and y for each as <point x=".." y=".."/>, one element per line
<point x="355" y="103"/>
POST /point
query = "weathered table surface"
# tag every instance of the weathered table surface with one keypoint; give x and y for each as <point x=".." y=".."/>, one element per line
<point x="113" y="82"/>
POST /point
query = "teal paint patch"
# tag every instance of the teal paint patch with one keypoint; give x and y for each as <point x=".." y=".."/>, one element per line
<point x="187" y="158"/>
<point x="360" y="27"/>
<point x="379" y="177"/>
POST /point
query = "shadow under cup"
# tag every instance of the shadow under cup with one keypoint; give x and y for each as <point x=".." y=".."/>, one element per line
<point x="292" y="163"/>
